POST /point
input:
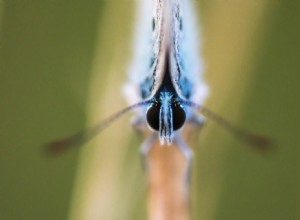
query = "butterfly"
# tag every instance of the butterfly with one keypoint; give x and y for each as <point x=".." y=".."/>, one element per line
<point x="165" y="86"/>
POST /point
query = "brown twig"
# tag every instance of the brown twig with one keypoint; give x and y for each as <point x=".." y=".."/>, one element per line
<point x="168" y="189"/>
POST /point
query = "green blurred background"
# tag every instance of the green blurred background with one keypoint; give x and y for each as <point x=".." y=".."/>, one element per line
<point x="62" y="66"/>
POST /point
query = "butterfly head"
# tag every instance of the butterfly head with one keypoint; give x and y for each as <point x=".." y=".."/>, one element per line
<point x="166" y="115"/>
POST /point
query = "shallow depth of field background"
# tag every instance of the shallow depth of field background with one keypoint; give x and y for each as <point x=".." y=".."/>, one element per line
<point x="62" y="66"/>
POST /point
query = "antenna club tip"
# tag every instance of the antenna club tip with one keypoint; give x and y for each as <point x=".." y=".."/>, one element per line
<point x="56" y="148"/>
<point x="261" y="143"/>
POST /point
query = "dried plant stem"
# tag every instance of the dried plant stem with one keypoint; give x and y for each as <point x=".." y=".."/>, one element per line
<point x="168" y="189"/>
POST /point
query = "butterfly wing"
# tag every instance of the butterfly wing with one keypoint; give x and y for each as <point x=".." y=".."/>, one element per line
<point x="185" y="64"/>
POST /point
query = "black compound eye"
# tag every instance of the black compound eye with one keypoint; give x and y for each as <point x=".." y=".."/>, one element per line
<point x="179" y="116"/>
<point x="153" y="116"/>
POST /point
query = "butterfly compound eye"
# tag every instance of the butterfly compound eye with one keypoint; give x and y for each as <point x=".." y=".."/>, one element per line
<point x="153" y="116"/>
<point x="179" y="116"/>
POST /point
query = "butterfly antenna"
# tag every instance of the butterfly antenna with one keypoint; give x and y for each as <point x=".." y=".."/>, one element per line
<point x="260" y="142"/>
<point x="57" y="147"/>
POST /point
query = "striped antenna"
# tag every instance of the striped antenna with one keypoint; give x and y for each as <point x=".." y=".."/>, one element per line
<point x="257" y="141"/>
<point x="57" y="147"/>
